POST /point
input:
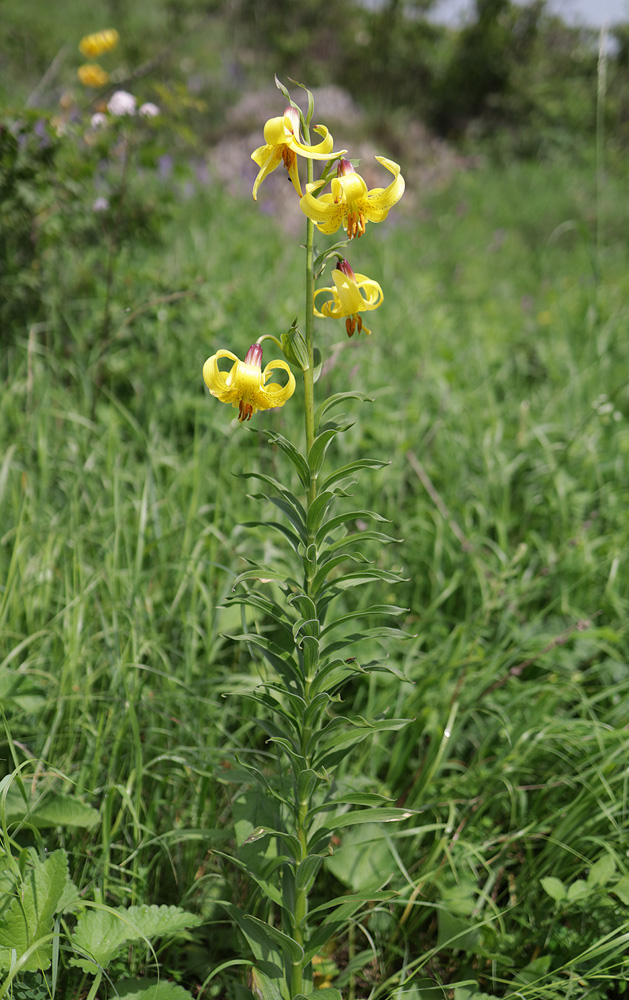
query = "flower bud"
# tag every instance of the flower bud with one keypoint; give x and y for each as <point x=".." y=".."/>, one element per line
<point x="293" y="114"/>
<point x="254" y="355"/>
<point x="344" y="167"/>
<point x="346" y="268"/>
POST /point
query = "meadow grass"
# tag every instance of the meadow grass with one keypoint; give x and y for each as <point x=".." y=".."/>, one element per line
<point x="499" y="394"/>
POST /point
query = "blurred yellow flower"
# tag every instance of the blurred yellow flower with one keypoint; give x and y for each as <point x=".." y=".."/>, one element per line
<point x="94" y="45"/>
<point x="281" y="137"/>
<point x="244" y="385"/>
<point x="350" y="203"/>
<point x="92" y="75"/>
<point x="351" y="295"/>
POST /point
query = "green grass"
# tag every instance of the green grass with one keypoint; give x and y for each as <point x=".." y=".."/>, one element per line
<point x="497" y="372"/>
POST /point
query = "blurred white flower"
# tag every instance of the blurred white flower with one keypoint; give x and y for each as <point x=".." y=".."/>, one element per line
<point x="121" y="103"/>
<point x="98" y="120"/>
<point x="149" y="110"/>
<point x="101" y="204"/>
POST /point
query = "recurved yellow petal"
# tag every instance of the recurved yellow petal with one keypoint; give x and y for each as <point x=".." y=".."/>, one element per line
<point x="244" y="385"/>
<point x="351" y="295"/>
<point x="349" y="203"/>
<point x="282" y="143"/>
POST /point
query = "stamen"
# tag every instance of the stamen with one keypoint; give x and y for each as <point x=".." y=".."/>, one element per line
<point x="355" y="224"/>
<point x="289" y="157"/>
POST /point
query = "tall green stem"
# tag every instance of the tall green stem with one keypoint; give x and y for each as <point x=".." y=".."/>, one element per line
<point x="301" y="900"/>
<point x="309" y="373"/>
<point x="301" y="894"/>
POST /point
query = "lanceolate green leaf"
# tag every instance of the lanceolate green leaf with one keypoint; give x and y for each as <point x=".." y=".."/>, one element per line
<point x="263" y="987"/>
<point x="379" y="632"/>
<point x="320" y="259"/>
<point x="305" y="604"/>
<point x="277" y="733"/>
<point x="270" y="726"/>
<point x="276" y="656"/>
<point x="350" y="469"/>
<point x="386" y="814"/>
<point x="342" y="911"/>
<point x="352" y="899"/>
<point x="294" y="348"/>
<point x="264" y="574"/>
<point x="295" y="456"/>
<point x="264" y="948"/>
<point x="268" y="888"/>
<point x="316" y="454"/>
<point x="306" y="783"/>
<point x="265" y="936"/>
<point x="330" y="548"/>
<point x="349" y="580"/>
<point x="361" y="799"/>
<point x="333" y="673"/>
<point x="321" y="575"/>
<point x="293" y="513"/>
<point x="310" y="652"/>
<point x="334" y="747"/>
<point x="267" y="645"/>
<point x="294" y="539"/>
<point x="310" y="626"/>
<point x="333" y="401"/>
<point x="345" y="519"/>
<point x="307" y="871"/>
<point x="374" y="609"/>
<point x="264" y="604"/>
<point x="342" y="731"/>
<point x="275" y="485"/>
<point x="317" y="510"/>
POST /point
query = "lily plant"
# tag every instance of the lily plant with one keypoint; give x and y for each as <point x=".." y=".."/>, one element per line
<point x="305" y="625"/>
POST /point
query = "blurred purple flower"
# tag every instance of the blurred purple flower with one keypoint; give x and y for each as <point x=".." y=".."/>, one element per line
<point x="202" y="172"/>
<point x="165" y="165"/>
<point x="40" y="130"/>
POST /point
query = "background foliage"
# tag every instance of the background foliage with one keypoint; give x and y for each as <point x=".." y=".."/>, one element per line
<point x="497" y="372"/>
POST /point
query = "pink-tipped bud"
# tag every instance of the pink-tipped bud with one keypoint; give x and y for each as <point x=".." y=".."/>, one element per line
<point x="344" y="167"/>
<point x="254" y="355"/>
<point x="346" y="268"/>
<point x="293" y="115"/>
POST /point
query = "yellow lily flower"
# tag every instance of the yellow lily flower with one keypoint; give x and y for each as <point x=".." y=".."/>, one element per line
<point x="244" y="385"/>
<point x="281" y="137"/>
<point x="101" y="41"/>
<point x="352" y="294"/>
<point x="350" y="203"/>
<point x="92" y="75"/>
